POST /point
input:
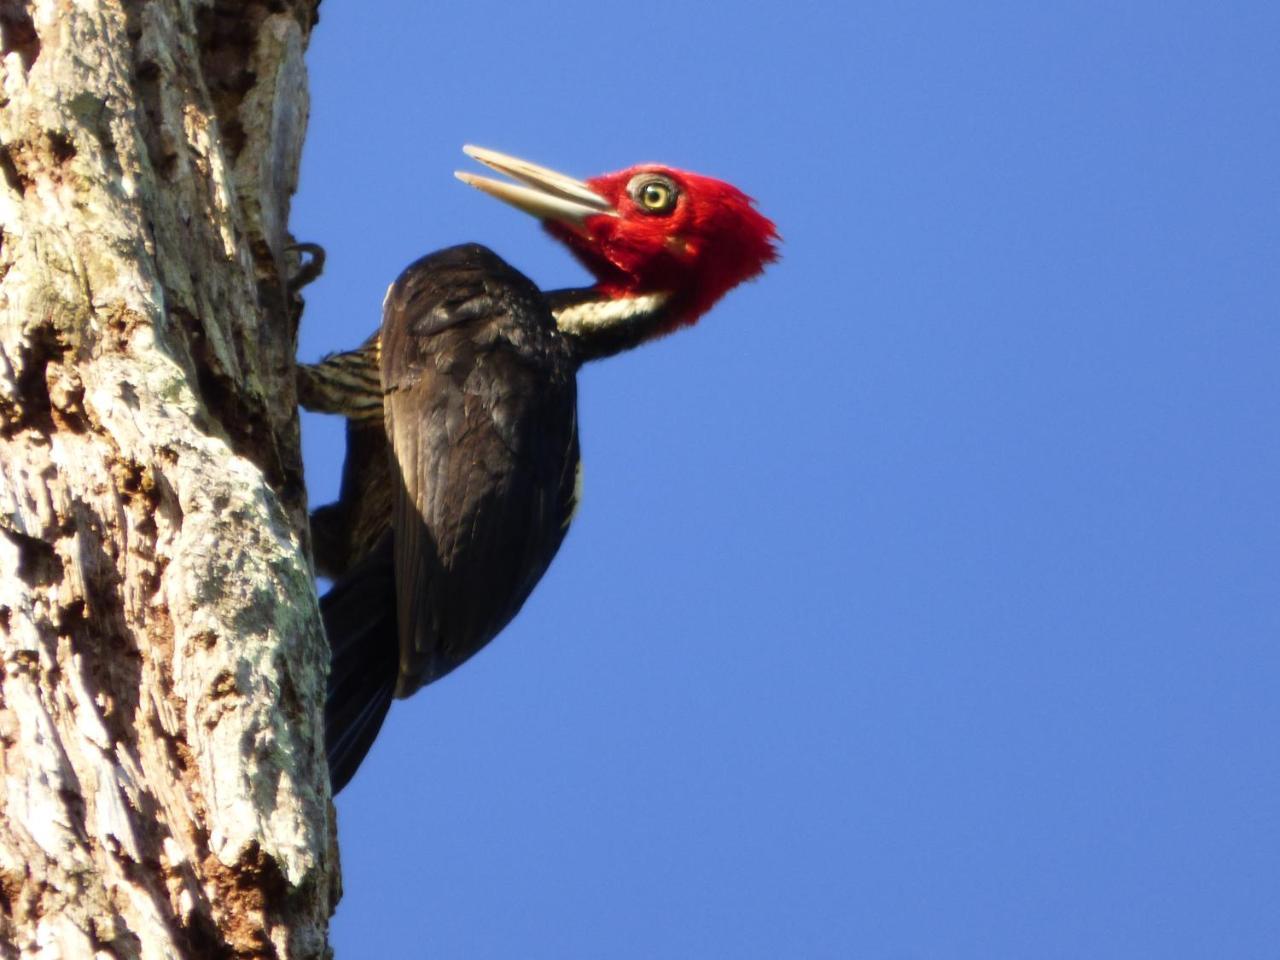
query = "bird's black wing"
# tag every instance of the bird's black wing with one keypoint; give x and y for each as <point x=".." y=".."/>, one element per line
<point x="480" y="416"/>
<point x="359" y="619"/>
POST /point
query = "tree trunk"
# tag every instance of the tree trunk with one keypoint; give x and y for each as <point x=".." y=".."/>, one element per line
<point x="163" y="788"/>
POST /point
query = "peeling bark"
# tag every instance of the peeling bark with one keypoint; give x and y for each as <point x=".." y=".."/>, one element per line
<point x="163" y="789"/>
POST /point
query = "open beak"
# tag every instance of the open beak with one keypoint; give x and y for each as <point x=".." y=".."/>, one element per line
<point x="544" y="193"/>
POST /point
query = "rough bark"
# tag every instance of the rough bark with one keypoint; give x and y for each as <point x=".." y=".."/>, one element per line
<point x="163" y="790"/>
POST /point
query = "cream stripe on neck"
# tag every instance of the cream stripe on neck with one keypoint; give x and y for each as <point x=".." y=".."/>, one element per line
<point x="596" y="315"/>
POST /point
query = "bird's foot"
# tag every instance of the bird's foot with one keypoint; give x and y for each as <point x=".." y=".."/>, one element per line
<point x="309" y="268"/>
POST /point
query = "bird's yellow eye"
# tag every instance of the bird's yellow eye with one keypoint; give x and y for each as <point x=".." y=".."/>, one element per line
<point x="654" y="195"/>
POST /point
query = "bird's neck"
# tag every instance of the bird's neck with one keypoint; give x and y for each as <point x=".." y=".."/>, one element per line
<point x="598" y="324"/>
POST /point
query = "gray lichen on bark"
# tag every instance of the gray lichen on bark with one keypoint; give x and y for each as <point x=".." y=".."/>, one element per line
<point x="163" y="790"/>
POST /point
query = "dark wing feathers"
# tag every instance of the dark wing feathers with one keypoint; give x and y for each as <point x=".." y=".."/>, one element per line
<point x="481" y="450"/>
<point x="359" y="618"/>
<point x="480" y="414"/>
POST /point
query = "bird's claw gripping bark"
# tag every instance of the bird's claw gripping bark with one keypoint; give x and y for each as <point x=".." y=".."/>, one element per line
<point x="308" y="269"/>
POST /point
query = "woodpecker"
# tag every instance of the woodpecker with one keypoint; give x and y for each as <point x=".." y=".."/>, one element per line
<point x="462" y="463"/>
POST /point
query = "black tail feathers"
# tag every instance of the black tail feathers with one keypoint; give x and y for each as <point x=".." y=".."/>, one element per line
<point x="360" y="618"/>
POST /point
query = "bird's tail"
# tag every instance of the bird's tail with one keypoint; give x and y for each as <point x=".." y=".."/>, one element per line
<point x="360" y="619"/>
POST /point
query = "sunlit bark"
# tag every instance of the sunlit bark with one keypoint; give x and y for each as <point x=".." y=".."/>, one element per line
<point x="163" y="790"/>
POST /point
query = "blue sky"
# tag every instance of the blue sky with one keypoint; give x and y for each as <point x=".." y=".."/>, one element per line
<point x="923" y="600"/>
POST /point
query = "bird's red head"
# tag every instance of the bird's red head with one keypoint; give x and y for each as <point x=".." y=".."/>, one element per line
<point x="675" y="232"/>
<point x="648" y="230"/>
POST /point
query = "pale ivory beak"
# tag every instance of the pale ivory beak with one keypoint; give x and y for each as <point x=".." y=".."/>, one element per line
<point x="544" y="193"/>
